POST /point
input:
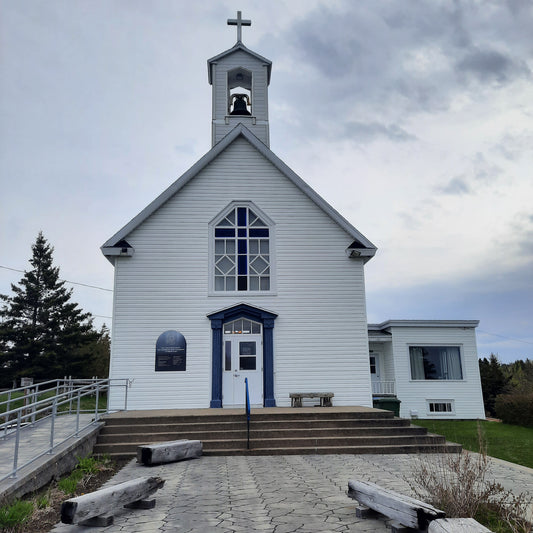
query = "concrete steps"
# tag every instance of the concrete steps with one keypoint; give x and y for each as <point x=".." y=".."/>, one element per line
<point x="259" y="435"/>
<point x="315" y="431"/>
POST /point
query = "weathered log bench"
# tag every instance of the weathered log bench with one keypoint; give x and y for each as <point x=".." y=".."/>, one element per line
<point x="405" y="510"/>
<point x="96" y="508"/>
<point x="325" y="398"/>
<point x="457" y="525"/>
<point x="168" y="452"/>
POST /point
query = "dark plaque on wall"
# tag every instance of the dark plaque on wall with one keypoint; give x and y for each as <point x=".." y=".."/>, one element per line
<point x="170" y="352"/>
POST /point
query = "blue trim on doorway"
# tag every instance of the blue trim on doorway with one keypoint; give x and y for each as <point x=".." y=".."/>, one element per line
<point x="251" y="313"/>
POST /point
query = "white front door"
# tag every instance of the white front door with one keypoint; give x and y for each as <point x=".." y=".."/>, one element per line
<point x="242" y="357"/>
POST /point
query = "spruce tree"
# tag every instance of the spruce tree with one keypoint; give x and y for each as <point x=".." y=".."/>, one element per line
<point x="493" y="382"/>
<point x="41" y="329"/>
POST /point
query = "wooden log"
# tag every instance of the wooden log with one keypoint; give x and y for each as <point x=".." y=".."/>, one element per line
<point x="408" y="511"/>
<point x="141" y="504"/>
<point x="98" y="521"/>
<point x="396" y="527"/>
<point x="168" y="452"/>
<point x="362" y="511"/>
<point x="457" y="525"/>
<point x="104" y="502"/>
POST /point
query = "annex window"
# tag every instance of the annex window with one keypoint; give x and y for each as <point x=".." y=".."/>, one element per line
<point x="242" y="251"/>
<point x="435" y="362"/>
<point x="436" y="407"/>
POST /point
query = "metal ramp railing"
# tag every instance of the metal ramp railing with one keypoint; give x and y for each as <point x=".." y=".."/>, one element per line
<point x="32" y="405"/>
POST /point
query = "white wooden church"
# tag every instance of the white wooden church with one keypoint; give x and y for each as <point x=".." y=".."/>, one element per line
<point x="240" y="270"/>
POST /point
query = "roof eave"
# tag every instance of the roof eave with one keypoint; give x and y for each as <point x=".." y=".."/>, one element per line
<point x="238" y="46"/>
<point x="174" y="188"/>
<point x="385" y="326"/>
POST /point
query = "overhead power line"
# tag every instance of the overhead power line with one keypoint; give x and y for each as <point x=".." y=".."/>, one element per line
<point x="504" y="337"/>
<point x="111" y="290"/>
<point x="65" y="280"/>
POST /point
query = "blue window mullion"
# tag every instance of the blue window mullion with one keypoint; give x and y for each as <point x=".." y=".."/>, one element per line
<point x="236" y="229"/>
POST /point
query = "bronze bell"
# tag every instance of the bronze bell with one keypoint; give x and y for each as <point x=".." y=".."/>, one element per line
<point x="239" y="105"/>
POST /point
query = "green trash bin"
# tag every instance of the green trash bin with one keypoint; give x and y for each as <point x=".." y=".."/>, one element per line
<point x="388" y="404"/>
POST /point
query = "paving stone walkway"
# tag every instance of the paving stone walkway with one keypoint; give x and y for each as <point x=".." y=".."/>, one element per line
<point x="279" y="494"/>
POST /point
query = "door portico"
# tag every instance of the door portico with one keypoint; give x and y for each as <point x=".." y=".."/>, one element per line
<point x="236" y="349"/>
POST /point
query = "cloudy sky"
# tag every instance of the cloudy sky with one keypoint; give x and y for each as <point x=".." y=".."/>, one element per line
<point x="413" y="118"/>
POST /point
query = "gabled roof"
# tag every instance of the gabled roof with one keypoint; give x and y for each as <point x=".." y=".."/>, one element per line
<point x="239" y="46"/>
<point x="361" y="247"/>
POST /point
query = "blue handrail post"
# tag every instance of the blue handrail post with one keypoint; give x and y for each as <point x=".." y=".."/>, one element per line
<point x="247" y="413"/>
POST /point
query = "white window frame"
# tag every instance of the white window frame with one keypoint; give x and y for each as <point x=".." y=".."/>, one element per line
<point x="449" y="401"/>
<point x="272" y="250"/>
<point x="436" y="345"/>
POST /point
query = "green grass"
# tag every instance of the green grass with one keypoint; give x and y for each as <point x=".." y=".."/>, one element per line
<point x="86" y="467"/>
<point x="15" y="402"/>
<point x="504" y="441"/>
<point x="14" y="515"/>
<point x="87" y="403"/>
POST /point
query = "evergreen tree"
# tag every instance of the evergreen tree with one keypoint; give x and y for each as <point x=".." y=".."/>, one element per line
<point x="519" y="375"/>
<point x="41" y="329"/>
<point x="493" y="382"/>
<point x="102" y="354"/>
<point x="92" y="360"/>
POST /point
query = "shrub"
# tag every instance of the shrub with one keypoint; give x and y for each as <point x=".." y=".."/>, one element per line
<point x="515" y="408"/>
<point x="460" y="485"/>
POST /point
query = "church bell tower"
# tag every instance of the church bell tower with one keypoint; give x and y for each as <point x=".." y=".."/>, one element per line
<point x="240" y="80"/>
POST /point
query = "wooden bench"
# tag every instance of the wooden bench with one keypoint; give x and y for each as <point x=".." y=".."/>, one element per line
<point x="168" y="452"/>
<point x="97" y="508"/>
<point x="407" y="513"/>
<point x="457" y="525"/>
<point x="325" y="398"/>
<point x="405" y="510"/>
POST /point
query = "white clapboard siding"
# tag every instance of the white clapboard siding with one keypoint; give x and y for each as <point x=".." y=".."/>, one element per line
<point x="414" y="394"/>
<point x="320" y="335"/>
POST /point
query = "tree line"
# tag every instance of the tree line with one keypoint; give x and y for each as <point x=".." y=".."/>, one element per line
<point x="43" y="333"/>
<point x="508" y="390"/>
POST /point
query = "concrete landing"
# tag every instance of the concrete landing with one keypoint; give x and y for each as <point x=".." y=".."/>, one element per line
<point x="155" y="413"/>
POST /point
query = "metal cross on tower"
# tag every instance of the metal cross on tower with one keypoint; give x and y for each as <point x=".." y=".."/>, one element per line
<point x="239" y="22"/>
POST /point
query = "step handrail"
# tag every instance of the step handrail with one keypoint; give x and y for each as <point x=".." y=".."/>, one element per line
<point x="247" y="413"/>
